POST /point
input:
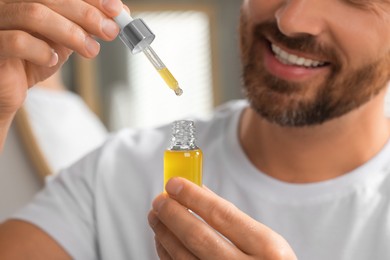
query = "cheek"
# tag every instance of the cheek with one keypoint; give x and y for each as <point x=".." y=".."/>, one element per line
<point x="375" y="42"/>
<point x="363" y="38"/>
<point x="365" y="48"/>
<point x="259" y="11"/>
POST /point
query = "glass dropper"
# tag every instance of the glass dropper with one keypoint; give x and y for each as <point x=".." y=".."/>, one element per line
<point x="136" y="35"/>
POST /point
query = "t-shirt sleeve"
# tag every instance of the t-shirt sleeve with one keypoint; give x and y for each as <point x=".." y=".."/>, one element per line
<point x="65" y="209"/>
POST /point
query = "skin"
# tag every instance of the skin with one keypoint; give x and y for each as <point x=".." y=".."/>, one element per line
<point x="346" y="141"/>
<point x="54" y="82"/>
<point x="307" y="97"/>
<point x="181" y="235"/>
<point x="26" y="58"/>
<point x="352" y="36"/>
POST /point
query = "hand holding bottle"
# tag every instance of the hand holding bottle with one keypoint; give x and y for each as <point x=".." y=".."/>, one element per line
<point x="180" y="235"/>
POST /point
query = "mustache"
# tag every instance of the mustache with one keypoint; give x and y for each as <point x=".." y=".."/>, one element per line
<point x="303" y="42"/>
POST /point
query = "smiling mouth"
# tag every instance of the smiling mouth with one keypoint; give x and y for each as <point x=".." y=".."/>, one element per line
<point x="294" y="60"/>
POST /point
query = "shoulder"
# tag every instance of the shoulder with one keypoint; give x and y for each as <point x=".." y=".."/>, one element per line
<point x="224" y="118"/>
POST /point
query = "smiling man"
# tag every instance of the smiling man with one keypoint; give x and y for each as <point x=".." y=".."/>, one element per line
<point x="300" y="170"/>
<point x="307" y="62"/>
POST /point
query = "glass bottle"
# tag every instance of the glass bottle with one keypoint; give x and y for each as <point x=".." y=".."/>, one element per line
<point x="183" y="158"/>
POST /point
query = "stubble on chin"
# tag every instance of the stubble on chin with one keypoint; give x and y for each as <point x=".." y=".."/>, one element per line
<point x="297" y="105"/>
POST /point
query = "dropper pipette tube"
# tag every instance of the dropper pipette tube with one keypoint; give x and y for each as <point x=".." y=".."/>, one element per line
<point x="136" y="35"/>
<point x="162" y="70"/>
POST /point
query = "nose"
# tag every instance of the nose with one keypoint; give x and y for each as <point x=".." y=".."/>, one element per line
<point x="301" y="17"/>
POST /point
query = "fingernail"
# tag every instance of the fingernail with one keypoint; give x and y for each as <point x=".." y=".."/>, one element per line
<point x="110" y="28"/>
<point x="158" y="203"/>
<point x="54" y="59"/>
<point x="113" y="6"/>
<point x="174" y="186"/>
<point x="92" y="46"/>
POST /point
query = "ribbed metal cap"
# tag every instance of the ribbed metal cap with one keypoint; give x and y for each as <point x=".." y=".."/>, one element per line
<point x="137" y="35"/>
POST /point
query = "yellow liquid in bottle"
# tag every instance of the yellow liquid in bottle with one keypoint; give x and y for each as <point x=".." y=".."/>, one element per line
<point x="186" y="164"/>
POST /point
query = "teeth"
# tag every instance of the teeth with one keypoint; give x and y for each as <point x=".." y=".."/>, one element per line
<point x="291" y="59"/>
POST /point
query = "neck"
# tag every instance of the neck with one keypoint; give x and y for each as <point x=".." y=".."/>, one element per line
<point x="312" y="154"/>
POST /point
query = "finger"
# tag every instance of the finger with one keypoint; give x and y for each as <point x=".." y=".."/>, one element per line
<point x="193" y="233"/>
<point x="171" y="244"/>
<point x="111" y="8"/>
<point x="126" y="8"/>
<point x="89" y="17"/>
<point x="161" y="252"/>
<point x="37" y="18"/>
<point x="19" y="44"/>
<point x="221" y="215"/>
<point x="62" y="52"/>
<point x="63" y="55"/>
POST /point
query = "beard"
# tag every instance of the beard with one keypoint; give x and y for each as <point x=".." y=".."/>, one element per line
<point x="311" y="103"/>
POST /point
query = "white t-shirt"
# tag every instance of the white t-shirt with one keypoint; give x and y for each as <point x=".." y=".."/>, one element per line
<point x="64" y="126"/>
<point x="98" y="208"/>
<point x="65" y="129"/>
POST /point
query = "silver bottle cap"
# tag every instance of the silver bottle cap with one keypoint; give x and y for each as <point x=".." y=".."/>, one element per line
<point x="137" y="35"/>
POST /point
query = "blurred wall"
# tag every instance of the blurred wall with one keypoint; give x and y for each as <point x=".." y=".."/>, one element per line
<point x="112" y="64"/>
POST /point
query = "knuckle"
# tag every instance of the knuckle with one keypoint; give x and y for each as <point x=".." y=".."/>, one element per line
<point x="169" y="209"/>
<point x="196" y="238"/>
<point x="222" y="215"/>
<point x="74" y="34"/>
<point x="17" y="41"/>
<point x="36" y="12"/>
<point x="92" y="16"/>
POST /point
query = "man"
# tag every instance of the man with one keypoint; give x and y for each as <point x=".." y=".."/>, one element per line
<point x="305" y="164"/>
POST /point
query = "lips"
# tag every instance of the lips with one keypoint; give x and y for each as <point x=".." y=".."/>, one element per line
<point x="292" y="66"/>
<point x="292" y="59"/>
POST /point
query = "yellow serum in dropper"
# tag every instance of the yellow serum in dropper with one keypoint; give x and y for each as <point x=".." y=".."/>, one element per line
<point x="137" y="36"/>
<point x="183" y="158"/>
<point x="170" y="80"/>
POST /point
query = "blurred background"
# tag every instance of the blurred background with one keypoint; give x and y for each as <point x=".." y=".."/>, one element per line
<point x="72" y="112"/>
<point x="198" y="42"/>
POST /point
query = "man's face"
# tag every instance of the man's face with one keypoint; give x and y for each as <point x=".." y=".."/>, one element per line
<point x="306" y="62"/>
